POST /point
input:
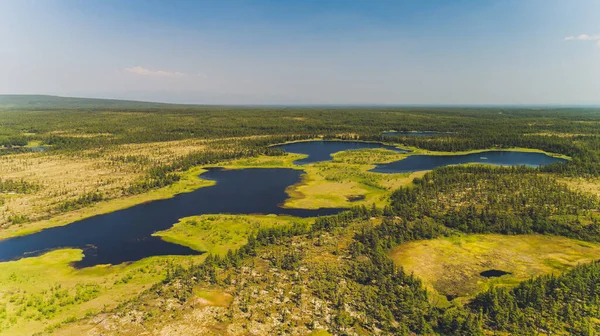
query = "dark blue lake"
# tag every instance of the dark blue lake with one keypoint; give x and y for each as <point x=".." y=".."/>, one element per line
<point x="501" y="158"/>
<point x="126" y="235"/>
<point x="319" y="151"/>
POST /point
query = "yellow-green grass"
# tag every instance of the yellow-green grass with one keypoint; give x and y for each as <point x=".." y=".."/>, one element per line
<point x="38" y="293"/>
<point x="451" y="266"/>
<point x="33" y="144"/>
<point x="263" y="161"/>
<point x="368" y="156"/>
<point x="586" y="185"/>
<point x="189" y="182"/>
<point x="336" y="183"/>
<point x="316" y="192"/>
<point x="218" y="234"/>
<point x="216" y="298"/>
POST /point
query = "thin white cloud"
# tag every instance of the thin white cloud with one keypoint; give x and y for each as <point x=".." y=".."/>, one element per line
<point x="141" y="71"/>
<point x="583" y="37"/>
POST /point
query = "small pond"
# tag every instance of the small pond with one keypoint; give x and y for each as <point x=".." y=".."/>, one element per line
<point x="355" y="198"/>
<point x="493" y="273"/>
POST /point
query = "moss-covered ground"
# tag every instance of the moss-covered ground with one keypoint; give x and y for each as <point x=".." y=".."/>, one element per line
<point x="218" y="234"/>
<point x="451" y="266"/>
<point x="38" y="294"/>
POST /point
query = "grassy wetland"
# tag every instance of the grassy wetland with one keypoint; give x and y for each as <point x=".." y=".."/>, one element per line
<point x="452" y="266"/>
<point x="406" y="256"/>
<point x="42" y="293"/>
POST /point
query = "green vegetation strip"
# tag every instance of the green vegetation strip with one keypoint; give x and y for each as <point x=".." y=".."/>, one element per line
<point x="217" y="234"/>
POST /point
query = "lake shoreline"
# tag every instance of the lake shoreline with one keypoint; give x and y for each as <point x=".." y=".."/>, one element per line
<point x="191" y="180"/>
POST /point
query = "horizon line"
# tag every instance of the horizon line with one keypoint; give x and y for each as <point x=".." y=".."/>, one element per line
<point x="438" y="105"/>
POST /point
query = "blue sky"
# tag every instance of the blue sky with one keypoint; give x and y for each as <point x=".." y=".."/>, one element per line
<point x="305" y="52"/>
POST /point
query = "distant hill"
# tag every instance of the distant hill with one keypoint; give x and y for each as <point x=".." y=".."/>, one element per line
<point x="20" y="102"/>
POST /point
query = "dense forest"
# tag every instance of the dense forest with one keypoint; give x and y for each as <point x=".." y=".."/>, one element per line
<point x="483" y="199"/>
